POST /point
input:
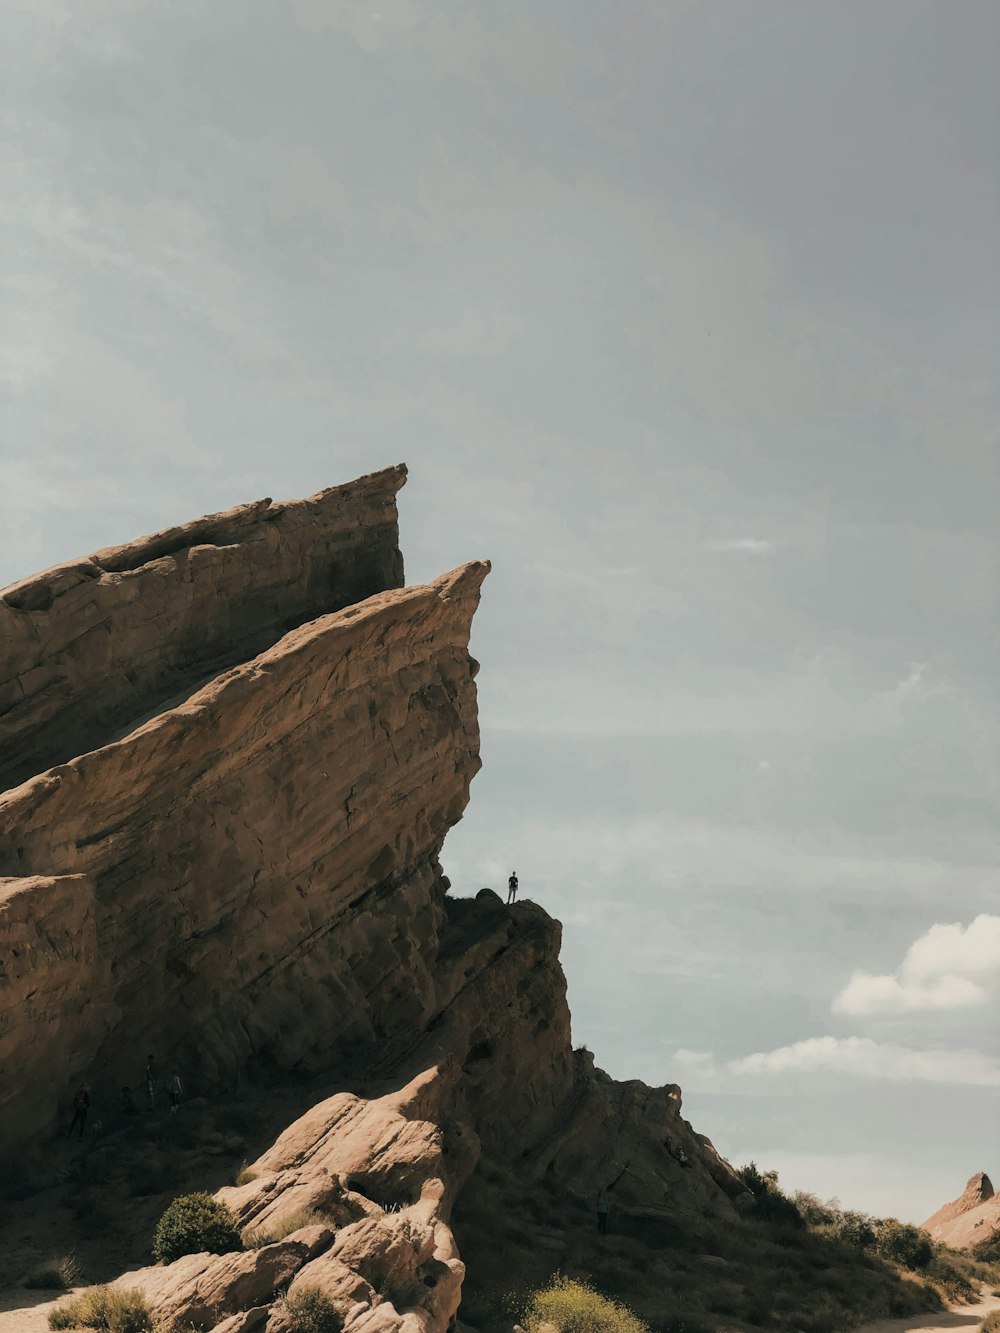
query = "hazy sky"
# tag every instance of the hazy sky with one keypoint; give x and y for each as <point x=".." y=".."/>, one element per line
<point x="683" y="313"/>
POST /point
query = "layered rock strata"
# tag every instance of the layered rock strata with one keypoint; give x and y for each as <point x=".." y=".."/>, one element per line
<point x="973" y="1217"/>
<point x="92" y="645"/>
<point x="267" y="845"/>
<point x="243" y="873"/>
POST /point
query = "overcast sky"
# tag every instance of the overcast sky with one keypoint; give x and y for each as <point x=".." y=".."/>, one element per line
<point x="684" y="314"/>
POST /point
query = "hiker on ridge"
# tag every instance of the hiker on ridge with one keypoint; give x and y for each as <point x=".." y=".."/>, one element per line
<point x="81" y="1105"/>
<point x="512" y="887"/>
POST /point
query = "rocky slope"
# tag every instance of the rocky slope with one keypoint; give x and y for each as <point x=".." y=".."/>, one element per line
<point x="241" y="874"/>
<point x="973" y="1217"/>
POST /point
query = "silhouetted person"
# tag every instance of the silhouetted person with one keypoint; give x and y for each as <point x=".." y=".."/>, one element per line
<point x="678" y="1154"/>
<point x="128" y="1105"/>
<point x="175" y="1091"/>
<point x="81" y="1105"/>
<point x="512" y="887"/>
<point x="151" y="1081"/>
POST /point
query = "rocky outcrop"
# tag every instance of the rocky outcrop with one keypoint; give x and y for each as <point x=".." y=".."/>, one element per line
<point x="268" y="844"/>
<point x="973" y="1217"/>
<point x="242" y="873"/>
<point x="91" y="646"/>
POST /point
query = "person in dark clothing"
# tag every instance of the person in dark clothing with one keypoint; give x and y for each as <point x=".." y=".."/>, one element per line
<point x="128" y="1102"/>
<point x="512" y="887"/>
<point x="152" y="1078"/>
<point x="81" y="1105"/>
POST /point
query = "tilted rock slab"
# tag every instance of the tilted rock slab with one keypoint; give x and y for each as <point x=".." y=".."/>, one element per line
<point x="90" y="646"/>
<point x="973" y="1217"/>
<point x="234" y="878"/>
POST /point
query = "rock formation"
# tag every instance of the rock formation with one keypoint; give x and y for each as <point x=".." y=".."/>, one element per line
<point x="973" y="1217"/>
<point x="243" y="745"/>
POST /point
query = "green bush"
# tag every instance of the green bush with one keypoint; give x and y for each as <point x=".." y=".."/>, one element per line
<point x="769" y="1203"/>
<point x="574" y="1307"/>
<point x="857" y="1230"/>
<point x="988" y="1251"/>
<point x="111" y="1309"/>
<point x="903" y="1244"/>
<point x="310" y="1310"/>
<point x="194" y="1223"/>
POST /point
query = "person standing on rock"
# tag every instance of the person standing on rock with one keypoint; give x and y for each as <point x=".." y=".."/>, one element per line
<point x="602" y="1211"/>
<point x="512" y="887"/>
<point x="81" y="1105"/>
<point x="175" y="1091"/>
<point x="151" y="1081"/>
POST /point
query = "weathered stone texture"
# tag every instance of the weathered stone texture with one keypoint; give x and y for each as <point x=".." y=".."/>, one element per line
<point x="88" y="647"/>
<point x="973" y="1217"/>
<point x="260" y="847"/>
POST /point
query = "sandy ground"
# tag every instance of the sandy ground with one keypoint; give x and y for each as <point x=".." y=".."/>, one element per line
<point x="24" y="1311"/>
<point x="958" y="1317"/>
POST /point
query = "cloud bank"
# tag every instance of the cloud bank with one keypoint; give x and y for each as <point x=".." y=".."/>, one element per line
<point x="948" y="967"/>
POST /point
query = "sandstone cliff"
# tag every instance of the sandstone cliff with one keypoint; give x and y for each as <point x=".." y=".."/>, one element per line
<point x="92" y="645"/>
<point x="973" y="1217"/>
<point x="241" y="873"/>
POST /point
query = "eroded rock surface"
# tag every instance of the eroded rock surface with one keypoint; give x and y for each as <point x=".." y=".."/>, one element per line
<point x="92" y="645"/>
<point x="973" y="1217"/>
<point x="243" y="873"/>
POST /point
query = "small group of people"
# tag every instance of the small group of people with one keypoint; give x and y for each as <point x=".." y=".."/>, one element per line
<point x="152" y="1082"/>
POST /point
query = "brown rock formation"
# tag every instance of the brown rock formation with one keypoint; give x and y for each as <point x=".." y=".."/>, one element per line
<point x="243" y="873"/>
<point x="972" y="1217"/>
<point x="92" y="645"/>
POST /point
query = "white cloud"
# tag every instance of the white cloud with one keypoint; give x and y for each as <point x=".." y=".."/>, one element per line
<point x="747" y="545"/>
<point x="842" y="1057"/>
<point x="861" y="1057"/>
<point x="948" y="967"/>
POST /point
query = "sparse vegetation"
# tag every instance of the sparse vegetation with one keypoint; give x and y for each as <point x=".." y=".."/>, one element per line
<point x="110" y="1309"/>
<point x="193" y="1223"/>
<point x="575" y="1307"/>
<point x="769" y="1203"/>
<point x="245" y="1174"/>
<point x="310" y="1310"/>
<point x="60" y="1275"/>
<point x="991" y="1324"/>
<point x="256" y="1237"/>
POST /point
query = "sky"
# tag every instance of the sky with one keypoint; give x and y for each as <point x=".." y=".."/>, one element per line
<point x="684" y="314"/>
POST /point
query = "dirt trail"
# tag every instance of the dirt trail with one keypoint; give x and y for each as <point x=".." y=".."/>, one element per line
<point x="956" y="1317"/>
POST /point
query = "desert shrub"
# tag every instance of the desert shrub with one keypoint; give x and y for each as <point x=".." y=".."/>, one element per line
<point x="903" y="1244"/>
<point x="310" y="1310"/>
<point x="813" y="1211"/>
<point x="856" y="1229"/>
<point x="256" y="1237"/>
<point x="575" y="1307"/>
<point x="111" y="1309"/>
<point x="769" y="1203"/>
<point x="193" y="1223"/>
<point x="245" y="1174"/>
<point x="991" y="1324"/>
<point x="949" y="1276"/>
<point x="988" y="1251"/>
<point x="59" y="1275"/>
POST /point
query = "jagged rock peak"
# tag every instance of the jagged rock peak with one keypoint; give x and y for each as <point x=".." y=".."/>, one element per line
<point x="970" y="1218"/>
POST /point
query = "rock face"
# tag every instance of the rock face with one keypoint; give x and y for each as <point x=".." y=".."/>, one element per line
<point x="973" y="1217"/>
<point x="91" y="646"/>
<point x="242" y="872"/>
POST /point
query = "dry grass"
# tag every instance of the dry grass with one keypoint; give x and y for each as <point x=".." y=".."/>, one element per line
<point x="254" y="1238"/>
<point x="110" y="1309"/>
